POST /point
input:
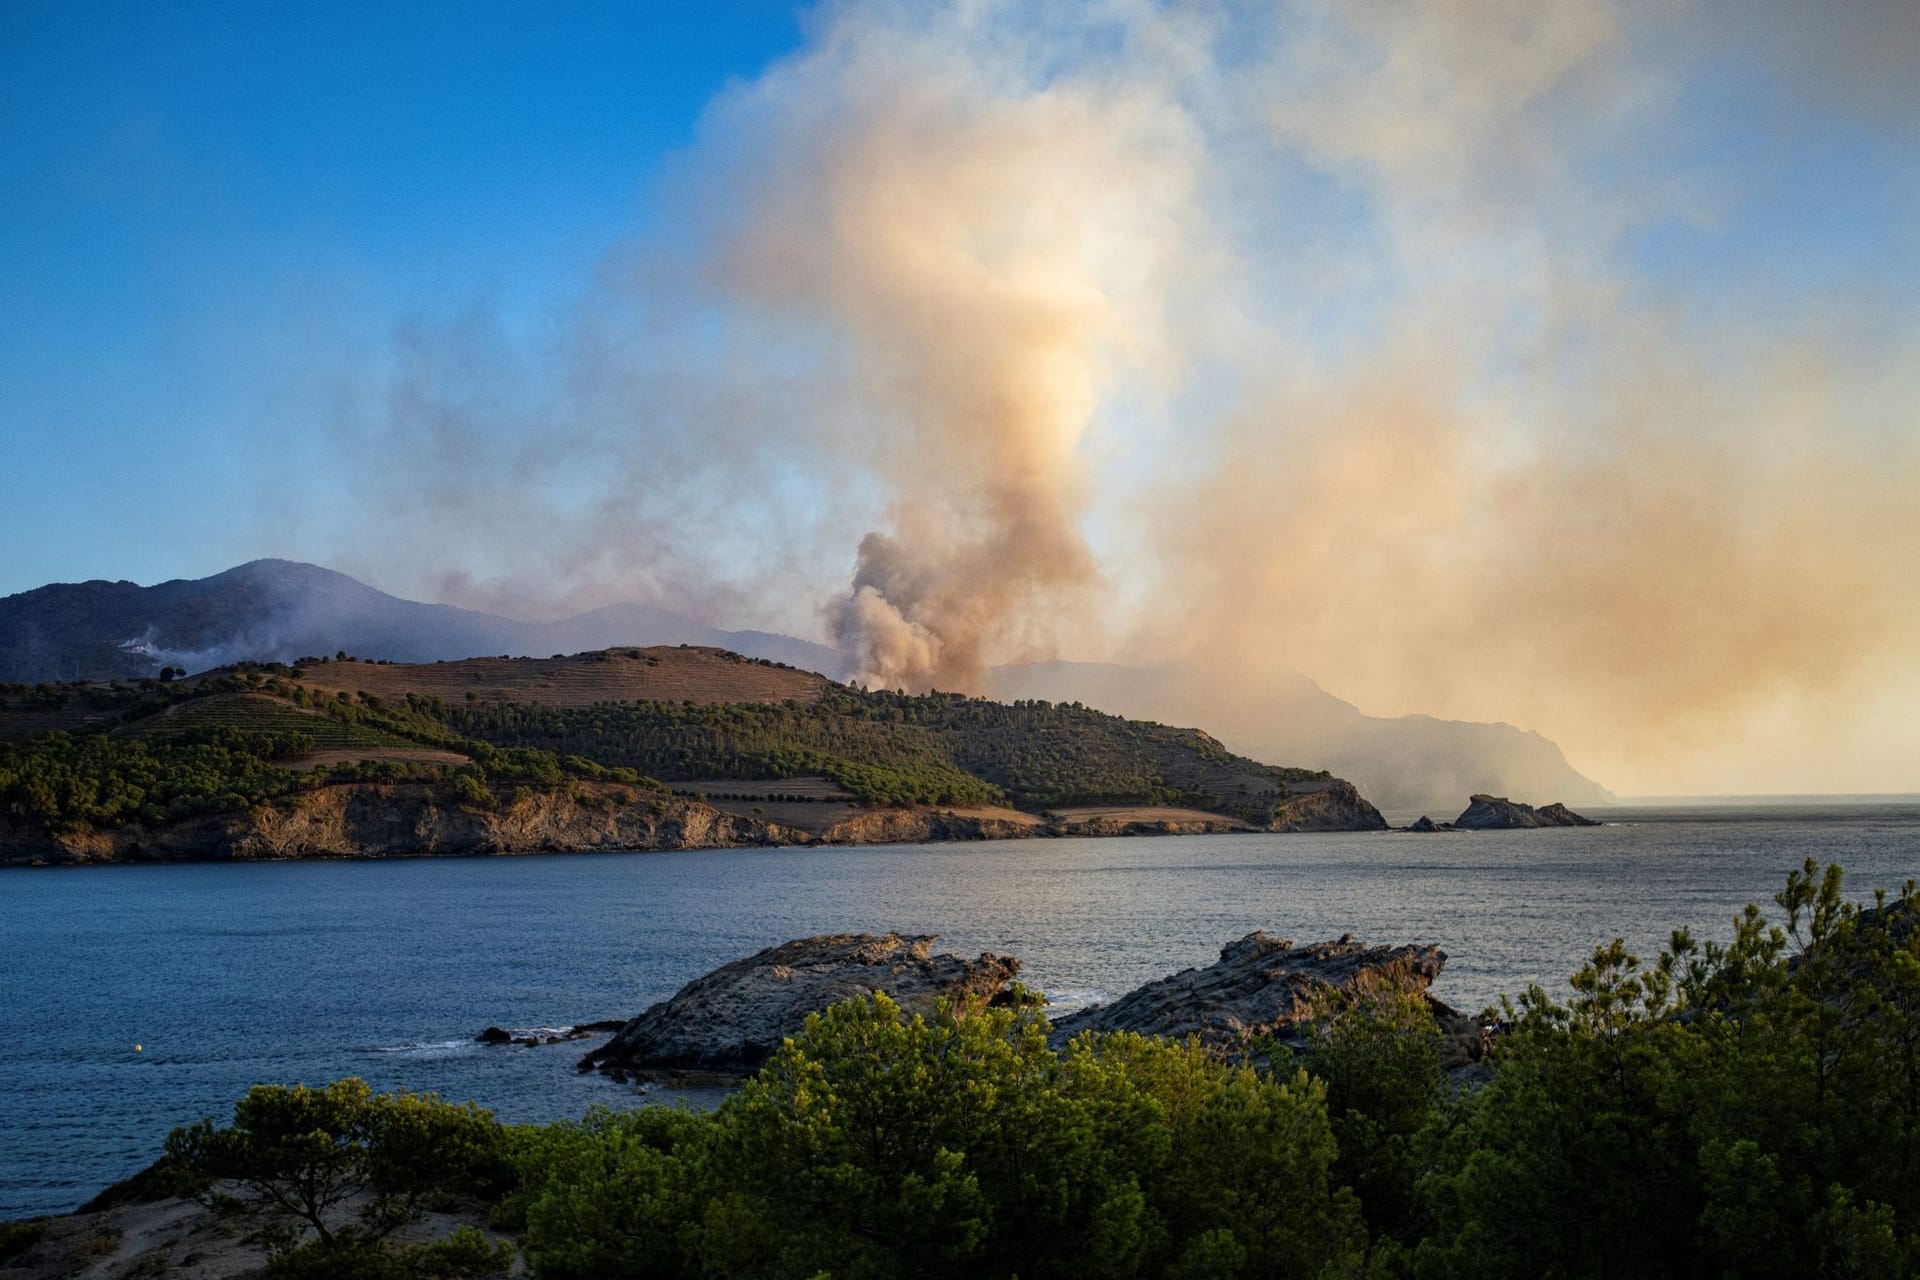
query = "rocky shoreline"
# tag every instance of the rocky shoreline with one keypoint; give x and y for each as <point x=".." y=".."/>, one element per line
<point x="731" y="1021"/>
<point x="389" y="820"/>
<point x="1263" y="992"/>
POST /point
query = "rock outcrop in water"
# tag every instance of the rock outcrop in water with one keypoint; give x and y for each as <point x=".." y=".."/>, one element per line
<point x="1497" y="813"/>
<point x="548" y="1035"/>
<point x="731" y="1020"/>
<point x="1263" y="986"/>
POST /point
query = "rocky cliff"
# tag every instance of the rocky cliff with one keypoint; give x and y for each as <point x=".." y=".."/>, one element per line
<point x="375" y="820"/>
<point x="731" y="1020"/>
<point x="366" y="820"/>
<point x="1337" y="806"/>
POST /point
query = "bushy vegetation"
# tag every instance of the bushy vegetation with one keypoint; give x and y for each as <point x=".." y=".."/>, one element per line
<point x="232" y="759"/>
<point x="65" y="781"/>
<point x="936" y="748"/>
<point x="873" y="1146"/>
<point x="338" y="1170"/>
<point x="1749" y="1109"/>
<point x="258" y="713"/>
<point x="73" y="756"/>
<point x="1741" y="1109"/>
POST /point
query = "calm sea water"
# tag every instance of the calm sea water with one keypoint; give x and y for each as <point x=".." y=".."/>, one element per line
<point x="305" y="972"/>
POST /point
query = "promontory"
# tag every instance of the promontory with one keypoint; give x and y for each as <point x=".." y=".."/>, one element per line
<point x="619" y="749"/>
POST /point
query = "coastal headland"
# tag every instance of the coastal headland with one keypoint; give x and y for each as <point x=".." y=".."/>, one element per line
<point x="671" y="747"/>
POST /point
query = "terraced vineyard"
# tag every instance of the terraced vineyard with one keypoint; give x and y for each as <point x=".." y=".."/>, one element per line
<point x="262" y="713"/>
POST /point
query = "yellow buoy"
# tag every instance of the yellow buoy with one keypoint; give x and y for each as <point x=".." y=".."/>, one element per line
<point x="136" y="1048"/>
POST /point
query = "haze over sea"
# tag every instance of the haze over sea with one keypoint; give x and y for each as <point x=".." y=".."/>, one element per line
<point x="229" y="975"/>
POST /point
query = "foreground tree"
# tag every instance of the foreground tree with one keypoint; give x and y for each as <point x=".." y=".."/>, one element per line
<point x="1750" y="1109"/>
<point x="338" y="1170"/>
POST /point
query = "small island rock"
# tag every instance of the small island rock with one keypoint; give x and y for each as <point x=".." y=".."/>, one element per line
<point x="731" y="1021"/>
<point x="1497" y="813"/>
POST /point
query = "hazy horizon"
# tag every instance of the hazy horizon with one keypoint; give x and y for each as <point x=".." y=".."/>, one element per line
<point x="1549" y="366"/>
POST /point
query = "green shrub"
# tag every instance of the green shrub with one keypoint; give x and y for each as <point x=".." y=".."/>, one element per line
<point x="345" y="1164"/>
<point x="18" y="1237"/>
<point x="1750" y="1109"/>
<point x="877" y="1145"/>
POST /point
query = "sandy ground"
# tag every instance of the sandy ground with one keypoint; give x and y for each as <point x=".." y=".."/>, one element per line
<point x="174" y="1238"/>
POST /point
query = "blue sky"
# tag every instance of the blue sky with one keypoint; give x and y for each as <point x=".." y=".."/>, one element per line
<point x="182" y="182"/>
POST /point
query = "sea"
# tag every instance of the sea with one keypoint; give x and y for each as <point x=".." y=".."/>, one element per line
<point x="137" y="998"/>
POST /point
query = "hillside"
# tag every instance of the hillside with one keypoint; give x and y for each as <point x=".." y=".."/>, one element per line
<point x="1400" y="762"/>
<point x="673" y="738"/>
<point x="278" y="610"/>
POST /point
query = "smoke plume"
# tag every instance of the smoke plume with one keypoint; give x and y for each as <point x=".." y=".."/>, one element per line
<point x="978" y="236"/>
<point x="1434" y="350"/>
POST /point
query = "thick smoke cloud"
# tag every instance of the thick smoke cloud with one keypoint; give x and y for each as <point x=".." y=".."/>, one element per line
<point x="1396" y="344"/>
<point x="981" y="234"/>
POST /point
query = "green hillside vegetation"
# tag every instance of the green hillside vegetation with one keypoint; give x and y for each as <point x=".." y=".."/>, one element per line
<point x="1748" y="1108"/>
<point x="261" y="713"/>
<point x="937" y="748"/>
<point x="155" y="753"/>
<point x="95" y="756"/>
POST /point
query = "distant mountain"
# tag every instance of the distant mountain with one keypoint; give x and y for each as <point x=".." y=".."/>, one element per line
<point x="281" y="609"/>
<point x="1402" y="762"/>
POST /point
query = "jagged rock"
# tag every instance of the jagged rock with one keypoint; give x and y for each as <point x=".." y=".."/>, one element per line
<point x="1425" y="824"/>
<point x="585" y="1029"/>
<point x="731" y="1020"/>
<point x="1262" y="986"/>
<point x="1497" y="813"/>
<point x="1335" y="806"/>
<point x="495" y="1035"/>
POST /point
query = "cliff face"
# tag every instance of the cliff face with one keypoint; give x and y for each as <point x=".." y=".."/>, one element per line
<point x="920" y="826"/>
<point x="1338" y="806"/>
<point x="377" y="821"/>
<point x="370" y="820"/>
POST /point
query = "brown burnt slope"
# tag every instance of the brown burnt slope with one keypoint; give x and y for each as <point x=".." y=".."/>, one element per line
<point x="663" y="673"/>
